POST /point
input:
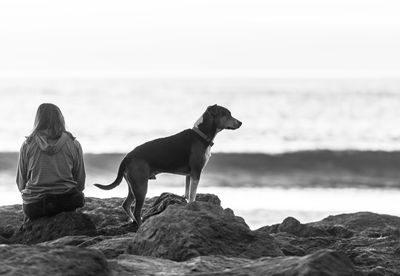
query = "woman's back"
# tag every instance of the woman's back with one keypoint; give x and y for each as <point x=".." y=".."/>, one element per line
<point x="51" y="166"/>
<point x="51" y="173"/>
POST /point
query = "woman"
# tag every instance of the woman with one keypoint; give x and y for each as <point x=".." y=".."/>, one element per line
<point x="51" y="173"/>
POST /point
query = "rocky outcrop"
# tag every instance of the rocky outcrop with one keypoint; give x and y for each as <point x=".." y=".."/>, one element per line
<point x="371" y="241"/>
<point x="43" y="260"/>
<point x="321" y="263"/>
<point x="11" y="219"/>
<point x="51" y="228"/>
<point x="197" y="229"/>
<point x="199" y="238"/>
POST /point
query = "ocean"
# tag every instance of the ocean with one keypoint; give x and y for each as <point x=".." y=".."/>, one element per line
<point x="307" y="148"/>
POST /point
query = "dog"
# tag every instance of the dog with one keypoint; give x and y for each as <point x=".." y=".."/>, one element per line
<point x="185" y="153"/>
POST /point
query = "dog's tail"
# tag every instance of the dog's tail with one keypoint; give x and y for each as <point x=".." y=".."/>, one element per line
<point x="117" y="181"/>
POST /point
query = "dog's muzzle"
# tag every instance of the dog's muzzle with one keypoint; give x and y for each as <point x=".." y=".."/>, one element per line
<point x="236" y="125"/>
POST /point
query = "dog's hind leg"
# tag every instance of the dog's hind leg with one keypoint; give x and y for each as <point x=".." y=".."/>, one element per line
<point x="127" y="204"/>
<point x="138" y="176"/>
<point x="140" y="195"/>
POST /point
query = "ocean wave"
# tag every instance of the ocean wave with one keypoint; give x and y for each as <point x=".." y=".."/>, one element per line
<point x="349" y="160"/>
<point x="321" y="168"/>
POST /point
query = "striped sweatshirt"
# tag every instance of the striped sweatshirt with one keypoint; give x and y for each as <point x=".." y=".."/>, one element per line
<point x="49" y="167"/>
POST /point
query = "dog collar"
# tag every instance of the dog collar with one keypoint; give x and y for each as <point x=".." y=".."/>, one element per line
<point x="202" y="135"/>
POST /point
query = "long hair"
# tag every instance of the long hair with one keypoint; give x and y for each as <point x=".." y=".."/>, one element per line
<point x="49" y="120"/>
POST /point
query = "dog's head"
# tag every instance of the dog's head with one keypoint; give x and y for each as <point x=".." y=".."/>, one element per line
<point x="221" y="118"/>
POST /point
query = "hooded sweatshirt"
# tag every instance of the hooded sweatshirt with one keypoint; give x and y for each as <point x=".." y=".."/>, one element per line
<point x="48" y="166"/>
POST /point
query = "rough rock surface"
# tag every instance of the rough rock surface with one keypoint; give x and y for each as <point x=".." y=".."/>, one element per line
<point x="50" y="228"/>
<point x="211" y="240"/>
<point x="11" y="218"/>
<point x="182" y="232"/>
<point x="371" y="241"/>
<point x="321" y="263"/>
<point x="43" y="260"/>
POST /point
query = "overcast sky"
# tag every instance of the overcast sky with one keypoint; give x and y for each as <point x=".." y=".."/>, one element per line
<point x="170" y="37"/>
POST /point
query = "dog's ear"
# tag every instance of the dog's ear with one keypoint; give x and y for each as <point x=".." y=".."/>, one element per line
<point x="213" y="109"/>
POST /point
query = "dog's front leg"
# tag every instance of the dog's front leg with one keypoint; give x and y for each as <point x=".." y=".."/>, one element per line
<point x="194" y="182"/>
<point x="196" y="166"/>
<point x="187" y="187"/>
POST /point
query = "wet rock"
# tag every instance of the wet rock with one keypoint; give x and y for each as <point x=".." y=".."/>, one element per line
<point x="43" y="260"/>
<point x="182" y="232"/>
<point x="105" y="212"/>
<point x="158" y="204"/>
<point x="11" y="219"/>
<point x="208" y="198"/>
<point x="144" y="265"/>
<point x="161" y="203"/>
<point x="79" y="241"/>
<point x="114" y="246"/>
<point x="293" y="226"/>
<point x="321" y="263"/>
<point x="361" y="221"/>
<point x="207" y="239"/>
<point x="3" y="240"/>
<point x="369" y="240"/>
<point x="51" y="228"/>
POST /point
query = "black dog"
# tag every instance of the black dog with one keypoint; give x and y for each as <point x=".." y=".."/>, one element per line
<point x="185" y="153"/>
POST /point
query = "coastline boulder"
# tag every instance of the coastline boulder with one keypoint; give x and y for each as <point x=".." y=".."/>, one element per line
<point x="51" y="228"/>
<point x="182" y="232"/>
<point x="321" y="263"/>
<point x="38" y="260"/>
<point x="11" y="219"/>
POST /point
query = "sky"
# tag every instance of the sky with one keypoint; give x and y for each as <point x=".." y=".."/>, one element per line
<point x="200" y="38"/>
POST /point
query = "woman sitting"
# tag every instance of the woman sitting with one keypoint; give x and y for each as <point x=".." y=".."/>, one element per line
<point x="51" y="173"/>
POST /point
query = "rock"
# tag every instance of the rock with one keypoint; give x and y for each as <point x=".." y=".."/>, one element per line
<point x="118" y="230"/>
<point x="361" y="221"/>
<point x="182" y="232"/>
<point x="207" y="239"/>
<point x="51" y="228"/>
<point x="3" y="240"/>
<point x="11" y="219"/>
<point x="321" y="263"/>
<point x="369" y="240"/>
<point x="105" y="212"/>
<point x="43" y="260"/>
<point x="142" y="265"/>
<point x="161" y="203"/>
<point x="293" y="226"/>
<point x="78" y="241"/>
<point x="113" y="247"/>
<point x="208" y="198"/>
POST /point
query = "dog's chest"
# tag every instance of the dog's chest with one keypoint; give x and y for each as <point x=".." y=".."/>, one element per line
<point x="207" y="155"/>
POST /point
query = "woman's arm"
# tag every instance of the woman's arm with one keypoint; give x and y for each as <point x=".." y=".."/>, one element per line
<point x="78" y="170"/>
<point x="22" y="169"/>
